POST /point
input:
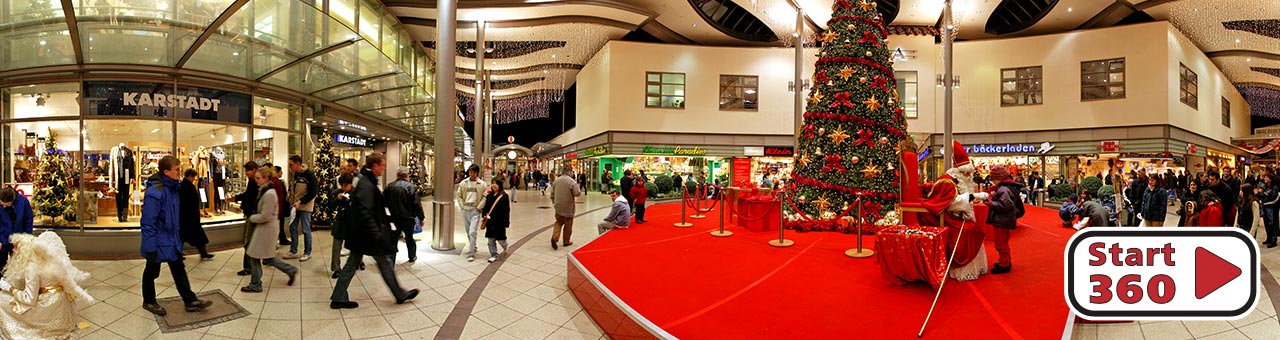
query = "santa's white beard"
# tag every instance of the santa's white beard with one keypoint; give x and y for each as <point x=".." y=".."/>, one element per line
<point x="963" y="176"/>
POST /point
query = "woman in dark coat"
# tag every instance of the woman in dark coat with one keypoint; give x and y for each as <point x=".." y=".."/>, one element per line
<point x="1188" y="205"/>
<point x="497" y="218"/>
<point x="189" y="215"/>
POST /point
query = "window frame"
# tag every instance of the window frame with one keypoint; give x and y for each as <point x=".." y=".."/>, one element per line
<point x="907" y="112"/>
<point x="1040" y="81"/>
<point x="1226" y="112"/>
<point x="1189" y="97"/>
<point x="660" y="84"/>
<point x="1106" y="81"/>
<point x="741" y="81"/>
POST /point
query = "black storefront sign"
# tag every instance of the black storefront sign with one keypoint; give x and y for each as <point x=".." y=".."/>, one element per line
<point x="119" y="98"/>
<point x="779" y="151"/>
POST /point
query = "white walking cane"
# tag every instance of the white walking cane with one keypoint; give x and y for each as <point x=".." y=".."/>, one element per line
<point x="944" y="279"/>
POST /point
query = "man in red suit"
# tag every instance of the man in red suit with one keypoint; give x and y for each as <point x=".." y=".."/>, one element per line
<point x="949" y="202"/>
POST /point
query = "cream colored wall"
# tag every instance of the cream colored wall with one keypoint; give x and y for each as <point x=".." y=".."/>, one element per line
<point x="594" y="84"/>
<point x="702" y="67"/>
<point x="926" y="64"/>
<point x="1213" y="86"/>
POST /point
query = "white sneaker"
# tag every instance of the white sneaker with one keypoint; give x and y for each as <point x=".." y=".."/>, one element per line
<point x="471" y="258"/>
<point x="289" y="256"/>
<point x="304" y="258"/>
<point x="491" y="259"/>
<point x="345" y="252"/>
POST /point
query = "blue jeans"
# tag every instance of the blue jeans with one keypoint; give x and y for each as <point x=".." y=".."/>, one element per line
<point x="386" y="267"/>
<point x="472" y="220"/>
<point x="303" y="219"/>
<point x="255" y="270"/>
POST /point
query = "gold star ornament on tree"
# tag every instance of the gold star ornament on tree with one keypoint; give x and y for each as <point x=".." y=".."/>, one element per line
<point x="822" y="204"/>
<point x="845" y="73"/>
<point x="815" y="98"/>
<point x="866" y="5"/>
<point x="873" y="103"/>
<point x="871" y="171"/>
<point x="838" y="136"/>
<point x="829" y="37"/>
<point x="804" y="160"/>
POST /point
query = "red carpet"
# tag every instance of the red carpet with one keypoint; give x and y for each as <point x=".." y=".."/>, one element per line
<point x="696" y="286"/>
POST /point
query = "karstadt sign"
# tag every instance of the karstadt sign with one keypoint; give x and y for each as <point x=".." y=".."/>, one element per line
<point x="175" y="101"/>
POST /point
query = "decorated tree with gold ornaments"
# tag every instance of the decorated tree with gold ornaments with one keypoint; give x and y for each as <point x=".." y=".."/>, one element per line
<point x="54" y="196"/>
<point x="852" y="126"/>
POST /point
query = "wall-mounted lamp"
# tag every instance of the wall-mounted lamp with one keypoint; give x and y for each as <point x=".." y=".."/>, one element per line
<point x="804" y="85"/>
<point x="955" y="81"/>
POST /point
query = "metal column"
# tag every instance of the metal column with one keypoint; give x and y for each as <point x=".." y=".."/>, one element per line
<point x="481" y="134"/>
<point x="446" y="110"/>
<point x="948" y="37"/>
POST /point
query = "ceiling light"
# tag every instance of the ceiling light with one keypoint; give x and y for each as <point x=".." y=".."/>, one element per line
<point x="1248" y="59"/>
<point x="553" y="56"/>
<point x="153" y="131"/>
<point x="309" y="119"/>
<point x="212" y="134"/>
<point x="471" y="50"/>
<point x="695" y="25"/>
<point x="235" y="53"/>
<point x="325" y="123"/>
<point x="42" y="43"/>
<point x="1068" y="9"/>
<point x="1237" y="40"/>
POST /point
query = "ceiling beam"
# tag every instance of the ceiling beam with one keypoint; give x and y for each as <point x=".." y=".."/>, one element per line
<point x="522" y="70"/>
<point x="1243" y="53"/>
<point x="308" y="57"/>
<point x="69" y="12"/>
<point x="208" y="31"/>
<point x="377" y="91"/>
<point x="473" y="4"/>
<point x="378" y="76"/>
<point x="531" y="22"/>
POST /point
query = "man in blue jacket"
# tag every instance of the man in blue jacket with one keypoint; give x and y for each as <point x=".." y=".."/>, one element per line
<point x="160" y="240"/>
<point x="15" y="217"/>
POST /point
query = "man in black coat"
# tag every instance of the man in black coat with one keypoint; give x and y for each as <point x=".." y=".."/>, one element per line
<point x="369" y="233"/>
<point x="626" y="182"/>
<point x="406" y="209"/>
<point x="248" y="204"/>
<point x="1034" y="184"/>
<point x="189" y="228"/>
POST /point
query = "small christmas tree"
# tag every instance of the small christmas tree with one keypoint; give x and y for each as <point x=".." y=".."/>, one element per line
<point x="852" y="126"/>
<point x="54" y="196"/>
<point x="416" y="176"/>
<point x="326" y="169"/>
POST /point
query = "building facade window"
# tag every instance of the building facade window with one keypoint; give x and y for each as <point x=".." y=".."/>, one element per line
<point x="1102" y="79"/>
<point x="1021" y="86"/>
<point x="1226" y="112"/>
<point x="739" y="92"/>
<point x="1189" y="89"/>
<point x="664" y="90"/>
<point x="907" y="93"/>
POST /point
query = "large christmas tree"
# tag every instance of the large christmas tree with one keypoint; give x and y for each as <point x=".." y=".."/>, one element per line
<point x="852" y="125"/>
<point x="54" y="194"/>
<point x="326" y="169"/>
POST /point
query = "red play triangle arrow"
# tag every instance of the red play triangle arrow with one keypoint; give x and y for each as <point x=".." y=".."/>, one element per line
<point x="1212" y="272"/>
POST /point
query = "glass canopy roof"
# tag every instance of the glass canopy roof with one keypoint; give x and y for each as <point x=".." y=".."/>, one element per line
<point x="350" y="52"/>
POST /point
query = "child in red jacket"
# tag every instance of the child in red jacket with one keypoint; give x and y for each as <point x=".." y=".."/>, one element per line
<point x="1211" y="213"/>
<point x="639" y="194"/>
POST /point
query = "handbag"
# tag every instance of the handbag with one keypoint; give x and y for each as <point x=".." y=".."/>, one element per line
<point x="483" y="219"/>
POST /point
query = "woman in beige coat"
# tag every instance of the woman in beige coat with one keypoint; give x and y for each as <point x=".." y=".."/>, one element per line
<point x="262" y="240"/>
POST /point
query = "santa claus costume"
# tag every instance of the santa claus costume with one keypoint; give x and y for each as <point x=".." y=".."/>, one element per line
<point x="949" y="202"/>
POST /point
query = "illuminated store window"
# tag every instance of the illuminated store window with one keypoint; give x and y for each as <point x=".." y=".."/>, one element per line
<point x="42" y="101"/>
<point x="217" y="153"/>
<point x="739" y="92"/>
<point x="908" y="90"/>
<point x="1188" y="88"/>
<point x="665" y="90"/>
<point x="118" y="158"/>
<point x="1021" y="86"/>
<point x="1102" y="79"/>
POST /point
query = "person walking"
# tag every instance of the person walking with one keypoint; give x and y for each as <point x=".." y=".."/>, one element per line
<point x="1005" y="209"/>
<point x="619" y="214"/>
<point x="1034" y="185"/>
<point x="340" y="204"/>
<point x="305" y="189"/>
<point x="563" y="193"/>
<point x="1270" y="199"/>
<point x="189" y="213"/>
<point x="16" y="217"/>
<point x="161" y="242"/>
<point x="248" y="205"/>
<point x="497" y="218"/>
<point x="261" y="243"/>
<point x="1154" y="203"/>
<point x="283" y="192"/>
<point x="470" y="196"/>
<point x="369" y="233"/>
<point x="640" y="194"/>
<point x="406" y="209"/>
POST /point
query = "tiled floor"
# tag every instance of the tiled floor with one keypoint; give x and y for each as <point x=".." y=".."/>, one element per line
<point x="526" y="299"/>
<point x="1261" y="324"/>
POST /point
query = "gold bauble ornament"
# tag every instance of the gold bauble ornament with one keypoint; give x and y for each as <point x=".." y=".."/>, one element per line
<point x="884" y="140"/>
<point x="822" y="131"/>
<point x="851" y="27"/>
<point x="854" y="160"/>
<point x="868" y="54"/>
<point x="862" y="80"/>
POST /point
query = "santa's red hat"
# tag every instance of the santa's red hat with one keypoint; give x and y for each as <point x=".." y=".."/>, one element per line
<point x="959" y="157"/>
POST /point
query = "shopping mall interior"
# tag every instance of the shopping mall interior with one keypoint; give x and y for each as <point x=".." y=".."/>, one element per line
<point x="753" y="169"/>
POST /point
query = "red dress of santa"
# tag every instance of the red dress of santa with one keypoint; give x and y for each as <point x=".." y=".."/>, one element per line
<point x="938" y="199"/>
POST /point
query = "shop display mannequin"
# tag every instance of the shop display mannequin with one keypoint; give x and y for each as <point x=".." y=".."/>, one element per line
<point x="219" y="174"/>
<point x="200" y="162"/>
<point x="122" y="174"/>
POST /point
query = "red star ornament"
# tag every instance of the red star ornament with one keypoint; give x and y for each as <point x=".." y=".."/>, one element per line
<point x="843" y="99"/>
<point x="868" y="37"/>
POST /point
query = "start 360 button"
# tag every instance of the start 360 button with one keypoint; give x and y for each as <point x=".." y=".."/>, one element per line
<point x="1162" y="273"/>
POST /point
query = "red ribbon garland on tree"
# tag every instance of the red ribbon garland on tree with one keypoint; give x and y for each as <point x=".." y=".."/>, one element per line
<point x="878" y="24"/>
<point x="864" y="138"/>
<point x="809" y="182"/>
<point x="821" y="77"/>
<point x="843" y="98"/>
<point x="833" y="163"/>
<point x="809" y="131"/>
<point x="881" y="83"/>
<point x="841" y="4"/>
<point x="851" y="60"/>
<point x="855" y="119"/>
<point x="869" y="37"/>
